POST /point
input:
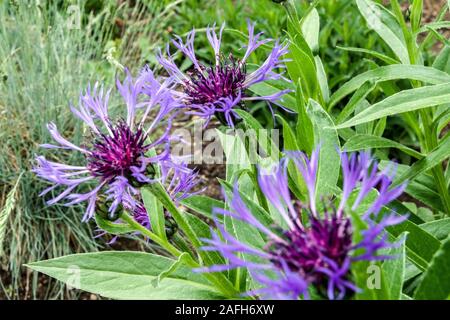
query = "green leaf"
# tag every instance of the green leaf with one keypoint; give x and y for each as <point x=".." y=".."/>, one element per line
<point x="404" y="101"/>
<point x="442" y="118"/>
<point x="373" y="14"/>
<point x="442" y="61"/>
<point x="365" y="128"/>
<point x="422" y="188"/>
<point x="301" y="67"/>
<point x="420" y="245"/>
<point x="113" y="227"/>
<point x="296" y="35"/>
<point x="394" y="269"/>
<point x="419" y="213"/>
<point x="164" y="274"/>
<point x="411" y="271"/>
<point x="380" y="127"/>
<point x="435" y="284"/>
<point x="434" y="158"/>
<point x="127" y="275"/>
<point x="322" y="79"/>
<point x="258" y="212"/>
<point x="394" y="72"/>
<point x="289" y="138"/>
<point x="265" y="142"/>
<point x="416" y="15"/>
<point x="440" y="229"/>
<point x="329" y="160"/>
<point x="367" y="141"/>
<point x="290" y="144"/>
<point x="310" y="26"/>
<point x="434" y="28"/>
<point x="369" y="276"/>
<point x="249" y="120"/>
<point x="236" y="155"/>
<point x="202" y="204"/>
<point x="405" y="208"/>
<point x="203" y="231"/>
<point x="155" y="212"/>
<point x="304" y="127"/>
<point x="161" y="194"/>
<point x="376" y="54"/>
<point x="356" y="101"/>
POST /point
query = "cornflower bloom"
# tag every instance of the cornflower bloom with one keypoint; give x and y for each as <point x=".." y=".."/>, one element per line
<point x="118" y="156"/>
<point x="317" y="247"/>
<point x="220" y="88"/>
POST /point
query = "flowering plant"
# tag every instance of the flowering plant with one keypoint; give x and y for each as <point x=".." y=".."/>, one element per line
<point x="311" y="217"/>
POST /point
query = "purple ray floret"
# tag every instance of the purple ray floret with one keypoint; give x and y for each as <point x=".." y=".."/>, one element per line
<point x="317" y="247"/>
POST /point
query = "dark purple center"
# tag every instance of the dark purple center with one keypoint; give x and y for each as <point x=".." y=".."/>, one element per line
<point x="329" y="237"/>
<point x="223" y="80"/>
<point x="114" y="155"/>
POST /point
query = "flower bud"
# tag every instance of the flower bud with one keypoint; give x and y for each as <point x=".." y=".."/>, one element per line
<point x="102" y="209"/>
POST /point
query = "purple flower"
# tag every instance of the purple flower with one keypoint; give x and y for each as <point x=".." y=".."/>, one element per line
<point x="141" y="216"/>
<point x="218" y="89"/>
<point x="180" y="181"/>
<point x="119" y="156"/>
<point x="317" y="247"/>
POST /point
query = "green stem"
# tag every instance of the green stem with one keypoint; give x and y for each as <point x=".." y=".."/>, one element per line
<point x="261" y="198"/>
<point x="409" y="39"/>
<point x="217" y="278"/>
<point x="160" y="193"/>
<point x="431" y="142"/>
<point x="181" y="243"/>
<point x="138" y="227"/>
<point x="438" y="174"/>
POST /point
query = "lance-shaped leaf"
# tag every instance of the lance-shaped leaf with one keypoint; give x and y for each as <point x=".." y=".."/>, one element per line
<point x="368" y="141"/>
<point x="374" y="13"/>
<point x="420" y="73"/>
<point x="437" y="156"/>
<point x="127" y="275"/>
<point x="435" y="283"/>
<point x="329" y="160"/>
<point x="404" y="101"/>
<point x="394" y="269"/>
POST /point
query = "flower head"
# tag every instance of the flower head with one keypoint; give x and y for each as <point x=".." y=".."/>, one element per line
<point x="317" y="247"/>
<point x="219" y="88"/>
<point x="117" y="153"/>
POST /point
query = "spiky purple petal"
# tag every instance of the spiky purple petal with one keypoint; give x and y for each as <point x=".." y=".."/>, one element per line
<point x="317" y="247"/>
